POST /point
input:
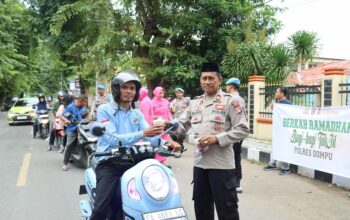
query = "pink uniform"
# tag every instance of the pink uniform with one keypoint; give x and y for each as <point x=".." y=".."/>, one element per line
<point x="160" y="105"/>
<point x="146" y="105"/>
<point x="161" y="109"/>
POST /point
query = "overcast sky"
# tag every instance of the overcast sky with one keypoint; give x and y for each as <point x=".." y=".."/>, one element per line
<point x="328" y="18"/>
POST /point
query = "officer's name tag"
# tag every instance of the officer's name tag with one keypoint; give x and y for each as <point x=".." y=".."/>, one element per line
<point x="218" y="112"/>
<point x="196" y="113"/>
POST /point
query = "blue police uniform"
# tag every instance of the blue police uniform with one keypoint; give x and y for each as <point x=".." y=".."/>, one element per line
<point x="128" y="126"/>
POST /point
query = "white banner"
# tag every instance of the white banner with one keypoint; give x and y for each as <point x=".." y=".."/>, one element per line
<point x="316" y="138"/>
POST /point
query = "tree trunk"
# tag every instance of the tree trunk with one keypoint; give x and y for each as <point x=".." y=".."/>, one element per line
<point x="299" y="66"/>
<point x="152" y="84"/>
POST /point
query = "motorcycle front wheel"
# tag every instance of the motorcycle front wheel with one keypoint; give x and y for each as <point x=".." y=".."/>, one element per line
<point x="43" y="132"/>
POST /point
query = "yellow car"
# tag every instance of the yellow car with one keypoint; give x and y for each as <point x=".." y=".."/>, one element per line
<point x="22" y="111"/>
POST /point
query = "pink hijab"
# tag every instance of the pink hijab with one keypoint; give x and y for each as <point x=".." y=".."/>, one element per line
<point x="160" y="105"/>
<point x="143" y="94"/>
<point x="146" y="105"/>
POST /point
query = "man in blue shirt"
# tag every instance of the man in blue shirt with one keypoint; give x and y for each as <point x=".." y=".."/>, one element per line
<point x="281" y="96"/>
<point x="129" y="125"/>
<point x="72" y="115"/>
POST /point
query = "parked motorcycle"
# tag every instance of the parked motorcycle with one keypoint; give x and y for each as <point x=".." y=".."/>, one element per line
<point x="58" y="128"/>
<point x="43" y="123"/>
<point x="87" y="144"/>
<point x="149" y="189"/>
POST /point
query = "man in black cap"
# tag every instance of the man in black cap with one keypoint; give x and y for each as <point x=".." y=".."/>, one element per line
<point x="218" y="121"/>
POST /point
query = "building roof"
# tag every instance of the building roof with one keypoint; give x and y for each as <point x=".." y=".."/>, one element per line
<point x="312" y="76"/>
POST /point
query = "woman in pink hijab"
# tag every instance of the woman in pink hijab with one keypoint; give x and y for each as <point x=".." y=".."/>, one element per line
<point x="146" y="105"/>
<point x="161" y="110"/>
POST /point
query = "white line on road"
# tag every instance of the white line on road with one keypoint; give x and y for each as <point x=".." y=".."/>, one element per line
<point x="23" y="173"/>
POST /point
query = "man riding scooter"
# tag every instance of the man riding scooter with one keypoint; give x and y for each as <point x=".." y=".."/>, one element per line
<point x="42" y="105"/>
<point x="72" y="115"/>
<point x="129" y="125"/>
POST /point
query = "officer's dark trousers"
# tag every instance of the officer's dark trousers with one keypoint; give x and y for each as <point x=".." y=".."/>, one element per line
<point x="215" y="186"/>
<point x="108" y="202"/>
<point x="237" y="148"/>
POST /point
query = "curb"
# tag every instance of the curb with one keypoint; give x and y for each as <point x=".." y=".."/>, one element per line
<point x="264" y="155"/>
<point x="258" y="155"/>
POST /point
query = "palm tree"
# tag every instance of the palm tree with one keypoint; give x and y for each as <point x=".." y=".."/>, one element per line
<point x="304" y="46"/>
<point x="279" y="62"/>
<point x="247" y="59"/>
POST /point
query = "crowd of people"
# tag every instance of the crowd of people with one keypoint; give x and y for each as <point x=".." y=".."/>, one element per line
<point x="216" y="118"/>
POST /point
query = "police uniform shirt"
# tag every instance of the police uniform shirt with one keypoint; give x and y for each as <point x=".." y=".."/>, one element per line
<point x="241" y="101"/>
<point x="99" y="100"/>
<point x="180" y="105"/>
<point x="221" y="115"/>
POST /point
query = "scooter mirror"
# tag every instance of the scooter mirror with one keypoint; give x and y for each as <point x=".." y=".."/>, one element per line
<point x="98" y="131"/>
<point x="173" y="125"/>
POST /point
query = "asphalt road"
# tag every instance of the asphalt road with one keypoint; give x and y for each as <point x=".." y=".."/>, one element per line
<point x="44" y="192"/>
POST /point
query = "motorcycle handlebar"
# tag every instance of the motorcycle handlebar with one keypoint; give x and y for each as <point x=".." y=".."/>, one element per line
<point x="165" y="153"/>
<point x="101" y="154"/>
<point x="170" y="154"/>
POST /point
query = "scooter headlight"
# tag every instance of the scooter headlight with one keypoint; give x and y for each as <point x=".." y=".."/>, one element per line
<point x="44" y="121"/>
<point x="156" y="182"/>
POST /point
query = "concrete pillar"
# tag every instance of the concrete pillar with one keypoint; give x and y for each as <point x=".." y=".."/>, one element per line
<point x="254" y="102"/>
<point x="330" y="88"/>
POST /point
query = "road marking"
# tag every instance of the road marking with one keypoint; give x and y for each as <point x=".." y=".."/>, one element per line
<point x="23" y="173"/>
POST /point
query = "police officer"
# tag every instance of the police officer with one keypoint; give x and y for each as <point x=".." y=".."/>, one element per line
<point x="100" y="98"/>
<point x="120" y="119"/>
<point x="179" y="104"/>
<point x="218" y="121"/>
<point x="232" y="87"/>
<point x="177" y="107"/>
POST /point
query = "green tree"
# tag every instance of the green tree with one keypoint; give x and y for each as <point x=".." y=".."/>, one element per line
<point x="16" y="70"/>
<point x="304" y="46"/>
<point x="255" y="55"/>
<point x="279" y="63"/>
<point x="156" y="38"/>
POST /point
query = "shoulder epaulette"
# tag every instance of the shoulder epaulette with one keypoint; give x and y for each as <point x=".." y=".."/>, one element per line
<point x="197" y="97"/>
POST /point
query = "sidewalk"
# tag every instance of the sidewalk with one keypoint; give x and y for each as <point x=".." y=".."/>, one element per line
<point x="260" y="151"/>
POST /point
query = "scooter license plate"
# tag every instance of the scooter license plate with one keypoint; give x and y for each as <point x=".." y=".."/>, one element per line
<point x="178" y="213"/>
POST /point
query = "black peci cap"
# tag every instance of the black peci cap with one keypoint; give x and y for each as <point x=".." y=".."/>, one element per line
<point x="211" y="67"/>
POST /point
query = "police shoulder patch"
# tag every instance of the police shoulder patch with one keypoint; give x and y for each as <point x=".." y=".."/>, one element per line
<point x="237" y="106"/>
